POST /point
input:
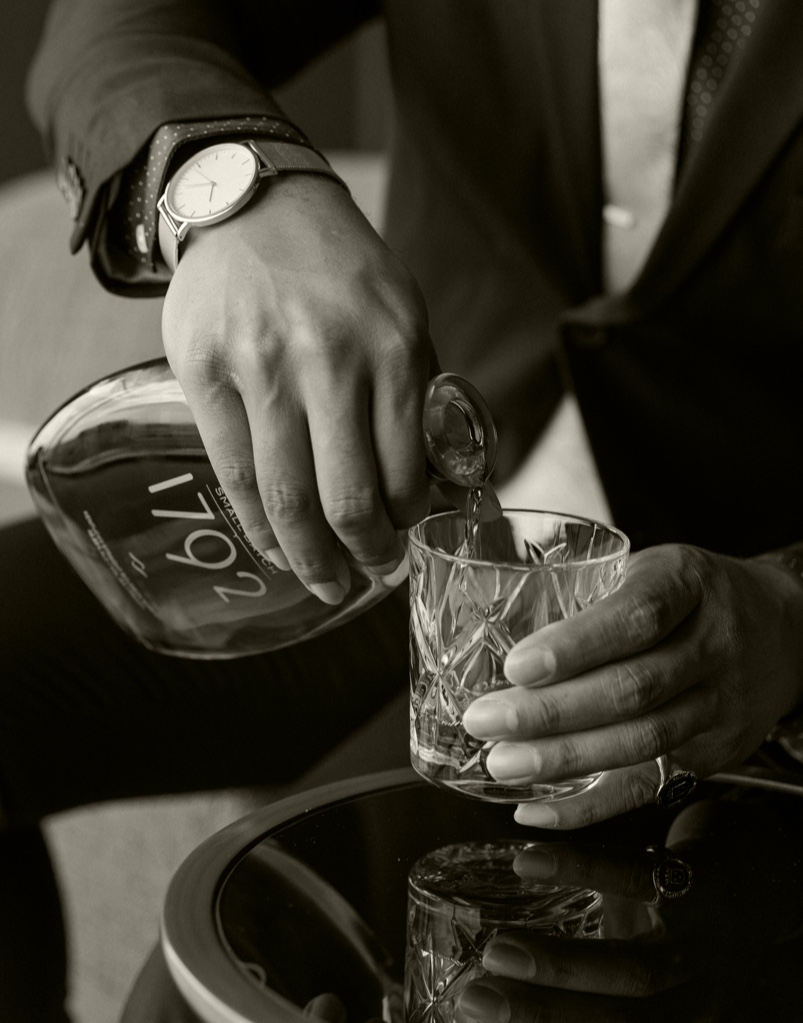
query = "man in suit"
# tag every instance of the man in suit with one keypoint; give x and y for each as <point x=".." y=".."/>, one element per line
<point x="593" y="201"/>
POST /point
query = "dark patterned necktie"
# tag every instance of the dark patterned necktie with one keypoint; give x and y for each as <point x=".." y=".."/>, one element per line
<point x="723" y="32"/>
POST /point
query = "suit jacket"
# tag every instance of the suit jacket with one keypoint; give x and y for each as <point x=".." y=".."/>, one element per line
<point x="690" y="382"/>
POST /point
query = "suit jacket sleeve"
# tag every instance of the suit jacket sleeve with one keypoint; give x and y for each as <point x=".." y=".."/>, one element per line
<point x="108" y="73"/>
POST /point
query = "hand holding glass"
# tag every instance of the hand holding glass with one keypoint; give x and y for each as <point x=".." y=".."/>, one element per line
<point x="474" y="594"/>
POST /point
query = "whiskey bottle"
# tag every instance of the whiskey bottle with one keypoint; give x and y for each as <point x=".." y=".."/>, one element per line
<point x="121" y="480"/>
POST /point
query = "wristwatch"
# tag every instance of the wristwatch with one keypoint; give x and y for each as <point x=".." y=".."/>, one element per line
<point x="219" y="180"/>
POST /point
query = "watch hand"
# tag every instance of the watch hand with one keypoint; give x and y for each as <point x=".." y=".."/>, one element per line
<point x="201" y="173"/>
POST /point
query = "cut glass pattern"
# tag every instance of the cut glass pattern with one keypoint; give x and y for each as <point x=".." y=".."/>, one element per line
<point x="459" y="898"/>
<point x="466" y="615"/>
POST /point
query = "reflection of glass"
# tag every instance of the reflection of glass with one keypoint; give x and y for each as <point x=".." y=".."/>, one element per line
<point x="459" y="897"/>
<point x="529" y="568"/>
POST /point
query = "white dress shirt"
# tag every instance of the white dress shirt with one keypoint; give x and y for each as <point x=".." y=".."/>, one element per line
<point x="644" y="48"/>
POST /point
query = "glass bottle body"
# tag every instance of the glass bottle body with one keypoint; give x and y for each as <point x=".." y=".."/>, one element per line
<point x="120" y="478"/>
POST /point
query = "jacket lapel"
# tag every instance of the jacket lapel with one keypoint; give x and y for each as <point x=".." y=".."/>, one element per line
<point x="760" y="106"/>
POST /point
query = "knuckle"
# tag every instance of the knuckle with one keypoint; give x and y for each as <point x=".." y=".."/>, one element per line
<point x="565" y="972"/>
<point x="675" y="584"/>
<point x="633" y="688"/>
<point x="640" y="789"/>
<point x="693" y="576"/>
<point x="569" y="757"/>
<point x="545" y="715"/>
<point x="691" y="565"/>
<point x="236" y="476"/>
<point x="651" y="736"/>
<point x="286" y="503"/>
<point x="329" y="353"/>
<point x="204" y="357"/>
<point x="641" y="979"/>
<point x="352" y="513"/>
<point x="311" y="568"/>
<point x="402" y="363"/>
<point x="408" y="355"/>
<point x="324" y="344"/>
<point x="644" y="619"/>
<point x="262" y="361"/>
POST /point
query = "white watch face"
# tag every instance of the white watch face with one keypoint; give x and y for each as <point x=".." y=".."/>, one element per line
<point x="213" y="182"/>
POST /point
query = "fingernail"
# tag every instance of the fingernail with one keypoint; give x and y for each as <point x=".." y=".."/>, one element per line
<point x="530" y="665"/>
<point x="387" y="569"/>
<point x="513" y="763"/>
<point x="326" y="1007"/>
<point x="508" y="960"/>
<point x="329" y="593"/>
<point x="487" y="718"/>
<point x="483" y="1003"/>
<point x="536" y="815"/>
<point x="401" y="573"/>
<point x="277" y="556"/>
<point x="536" y="864"/>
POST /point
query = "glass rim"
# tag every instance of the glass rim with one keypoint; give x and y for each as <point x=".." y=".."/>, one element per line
<point x="602" y="559"/>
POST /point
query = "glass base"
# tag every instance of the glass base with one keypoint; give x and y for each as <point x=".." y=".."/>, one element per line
<point x="495" y="792"/>
<point x="460" y="897"/>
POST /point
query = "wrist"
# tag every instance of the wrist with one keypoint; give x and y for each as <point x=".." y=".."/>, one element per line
<point x="223" y="178"/>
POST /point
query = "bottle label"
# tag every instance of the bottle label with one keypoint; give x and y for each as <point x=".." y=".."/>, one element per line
<point x="164" y="550"/>
<point x="122" y="481"/>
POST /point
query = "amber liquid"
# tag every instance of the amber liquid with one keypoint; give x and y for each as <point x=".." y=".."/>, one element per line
<point x="473" y="519"/>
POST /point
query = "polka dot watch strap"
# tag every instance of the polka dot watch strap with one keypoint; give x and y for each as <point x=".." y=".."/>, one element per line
<point x="131" y="222"/>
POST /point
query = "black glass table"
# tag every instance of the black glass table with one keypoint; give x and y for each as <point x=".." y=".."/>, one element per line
<point x="701" y="907"/>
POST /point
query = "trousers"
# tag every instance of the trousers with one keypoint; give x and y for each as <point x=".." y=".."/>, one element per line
<point x="87" y="714"/>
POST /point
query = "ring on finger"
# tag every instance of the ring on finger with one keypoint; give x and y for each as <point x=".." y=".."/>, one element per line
<point x="675" y="784"/>
<point x="671" y="877"/>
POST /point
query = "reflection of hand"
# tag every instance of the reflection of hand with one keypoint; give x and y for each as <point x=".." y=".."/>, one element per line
<point x="301" y="343"/>
<point x="326" y="1007"/>
<point x="330" y="1009"/>
<point x="697" y="654"/>
<point x="670" y="959"/>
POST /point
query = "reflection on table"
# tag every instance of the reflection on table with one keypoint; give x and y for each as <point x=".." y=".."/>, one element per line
<point x="398" y="900"/>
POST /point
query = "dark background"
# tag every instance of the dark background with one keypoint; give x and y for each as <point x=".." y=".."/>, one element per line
<point x="341" y="101"/>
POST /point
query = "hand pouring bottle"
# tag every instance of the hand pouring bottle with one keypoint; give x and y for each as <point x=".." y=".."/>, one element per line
<point x="123" y="484"/>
